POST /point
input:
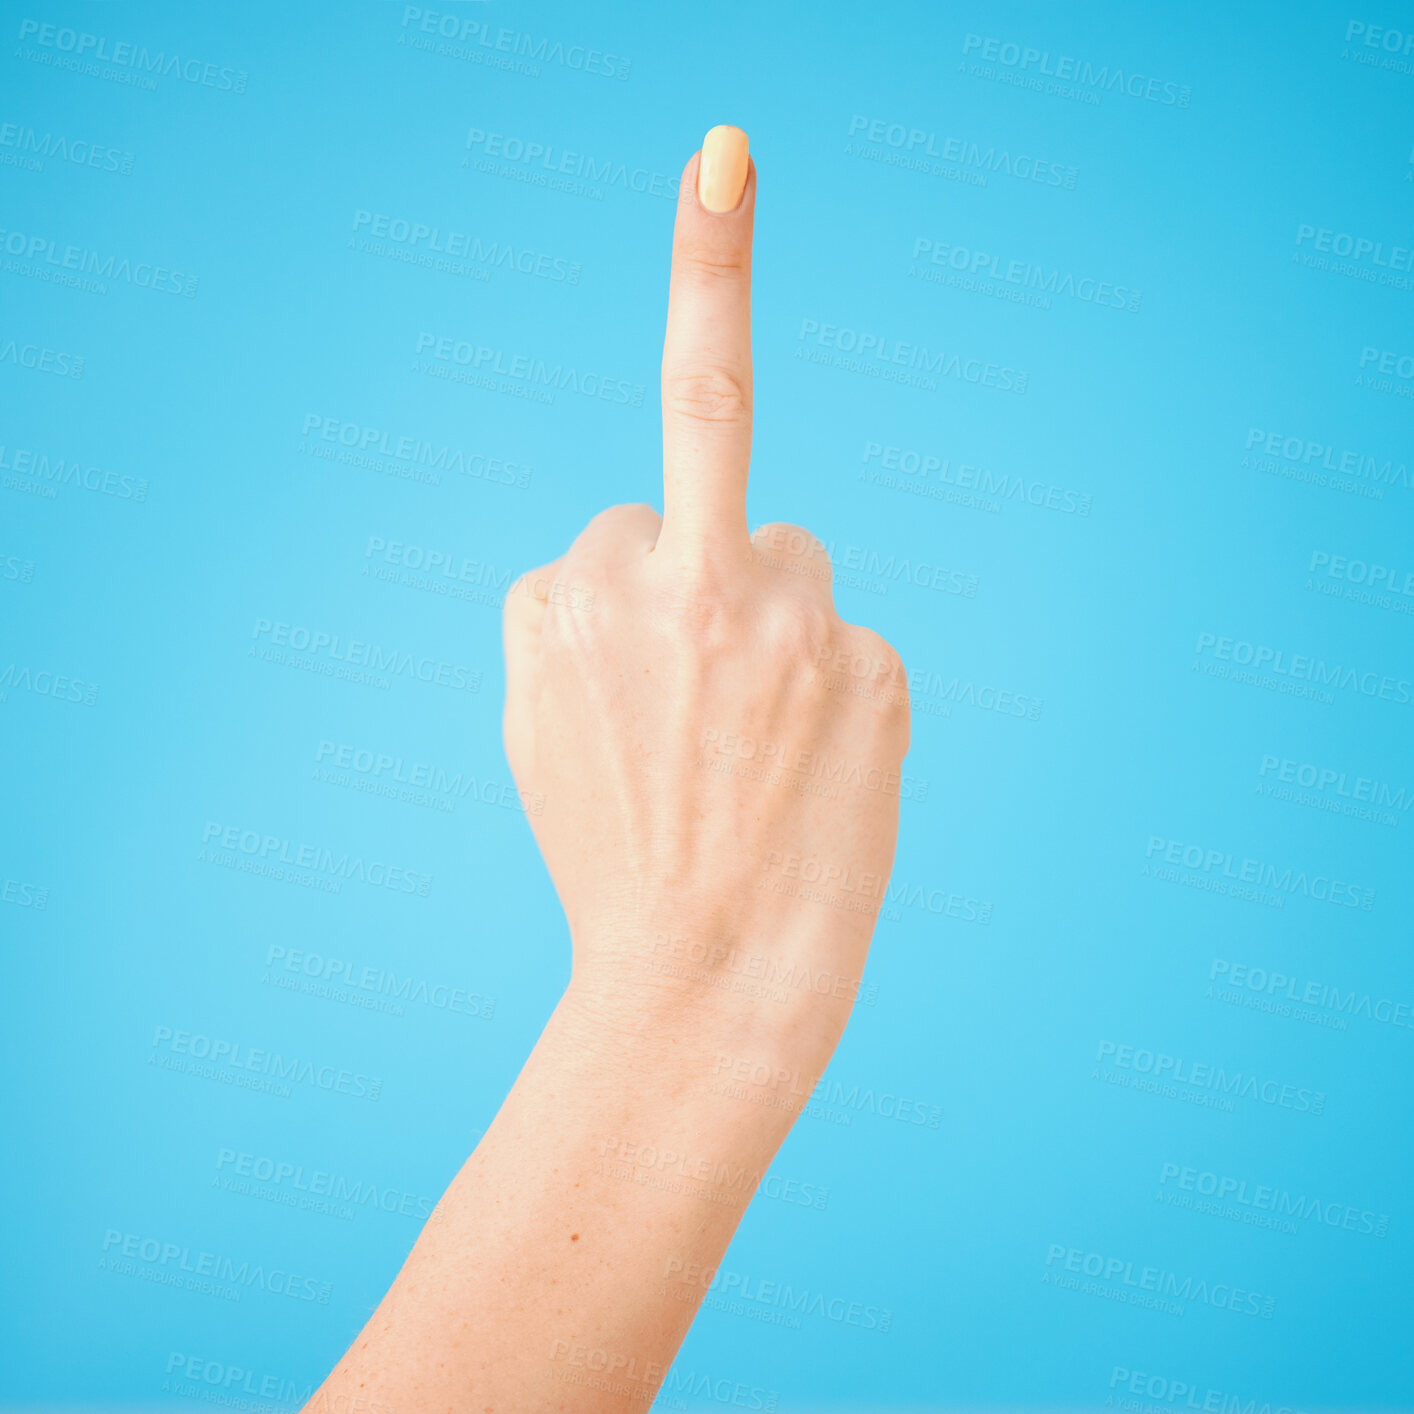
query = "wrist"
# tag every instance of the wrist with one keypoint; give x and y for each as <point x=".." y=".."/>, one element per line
<point x="701" y="1033"/>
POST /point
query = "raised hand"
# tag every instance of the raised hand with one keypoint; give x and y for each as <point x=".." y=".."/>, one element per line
<point x="719" y="757"/>
<point x="689" y="704"/>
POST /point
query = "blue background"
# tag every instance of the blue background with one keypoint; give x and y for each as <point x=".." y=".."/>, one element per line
<point x="221" y="501"/>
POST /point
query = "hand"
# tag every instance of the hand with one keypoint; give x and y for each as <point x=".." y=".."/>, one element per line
<point x="699" y="720"/>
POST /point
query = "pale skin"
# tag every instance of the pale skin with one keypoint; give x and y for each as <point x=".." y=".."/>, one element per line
<point x="650" y="671"/>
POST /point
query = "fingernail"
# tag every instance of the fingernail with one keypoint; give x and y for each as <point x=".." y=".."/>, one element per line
<point x="721" y="174"/>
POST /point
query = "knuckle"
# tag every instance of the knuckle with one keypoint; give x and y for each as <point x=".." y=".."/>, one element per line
<point x="878" y="649"/>
<point x="525" y="596"/>
<point x="779" y="538"/>
<point x="693" y="574"/>
<point x="622" y="517"/>
<point x="718" y="261"/>
<point x="700" y="616"/>
<point x="706" y="394"/>
<point x="874" y="664"/>
<point x="797" y="629"/>
<point x="583" y="635"/>
<point x="519" y="590"/>
<point x="781" y="535"/>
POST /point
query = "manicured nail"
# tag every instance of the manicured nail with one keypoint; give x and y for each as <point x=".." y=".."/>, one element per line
<point x="721" y="174"/>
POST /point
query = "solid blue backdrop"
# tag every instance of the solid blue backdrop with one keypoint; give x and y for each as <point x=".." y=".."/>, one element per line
<point x="1084" y="342"/>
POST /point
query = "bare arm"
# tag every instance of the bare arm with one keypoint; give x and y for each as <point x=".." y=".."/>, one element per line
<point x="696" y="717"/>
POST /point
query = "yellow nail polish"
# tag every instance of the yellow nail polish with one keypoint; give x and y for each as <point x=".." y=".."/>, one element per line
<point x="721" y="173"/>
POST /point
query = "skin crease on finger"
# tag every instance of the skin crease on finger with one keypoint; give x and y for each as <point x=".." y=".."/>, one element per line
<point x="719" y="757"/>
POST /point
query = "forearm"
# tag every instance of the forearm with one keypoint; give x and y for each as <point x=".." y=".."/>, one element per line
<point x="571" y="1252"/>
